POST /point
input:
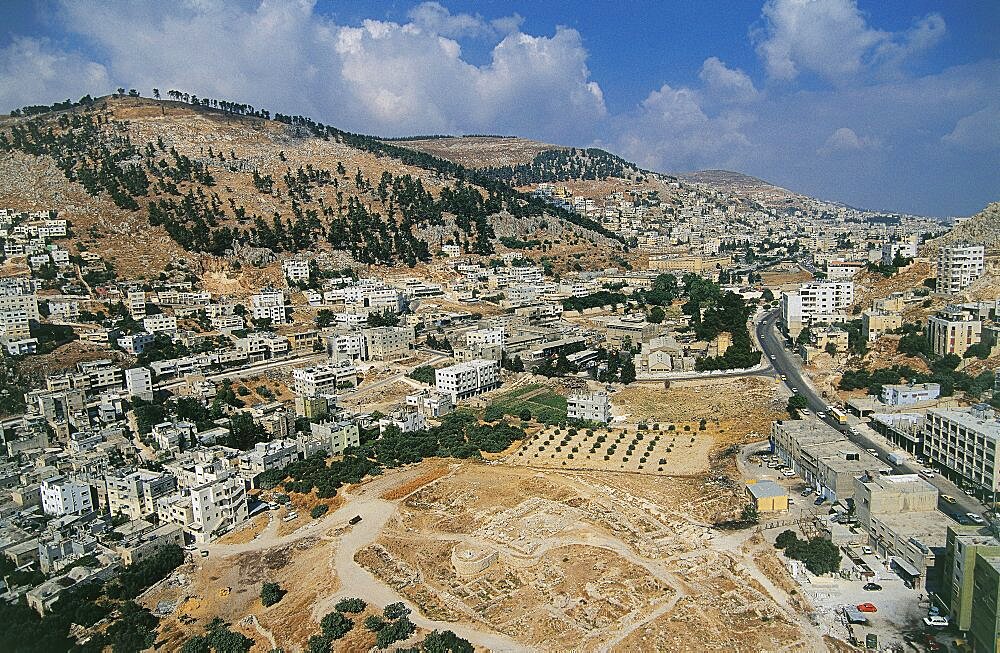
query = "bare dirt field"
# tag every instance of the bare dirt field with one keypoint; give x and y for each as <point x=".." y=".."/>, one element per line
<point x="509" y="558"/>
<point x="671" y="451"/>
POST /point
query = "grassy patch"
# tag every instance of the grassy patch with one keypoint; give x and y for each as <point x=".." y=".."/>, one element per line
<point x="545" y="405"/>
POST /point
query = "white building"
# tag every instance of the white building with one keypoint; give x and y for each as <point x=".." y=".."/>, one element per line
<point x="431" y="403"/>
<point x="323" y="379"/>
<point x="139" y="383"/>
<point x="65" y="310"/>
<point x="160" y="324"/>
<point x="296" y="270"/>
<point x="905" y="395"/>
<point x="269" y="304"/>
<point x="136" y="303"/>
<point x="815" y="301"/>
<point x="958" y="266"/>
<point x="964" y="443"/>
<point x="468" y="379"/>
<point x="589" y="407"/>
<point x="65" y="496"/>
<point x="904" y="248"/>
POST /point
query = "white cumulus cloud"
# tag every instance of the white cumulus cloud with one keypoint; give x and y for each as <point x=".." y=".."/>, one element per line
<point x="379" y="77"/>
<point x="34" y="71"/>
<point x="832" y="39"/>
<point x="846" y="139"/>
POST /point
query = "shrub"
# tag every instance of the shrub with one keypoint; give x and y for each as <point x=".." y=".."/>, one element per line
<point x="319" y="511"/>
<point x="335" y="625"/>
<point x="351" y="605"/>
<point x="270" y="593"/>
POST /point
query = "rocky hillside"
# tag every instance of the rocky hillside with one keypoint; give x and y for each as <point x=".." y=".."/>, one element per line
<point x="480" y="151"/>
<point x="148" y="178"/>
<point x="984" y="227"/>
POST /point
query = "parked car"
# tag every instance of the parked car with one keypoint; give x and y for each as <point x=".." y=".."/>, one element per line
<point x="970" y="493"/>
<point x="867" y="550"/>
<point x="354" y="520"/>
<point x="872" y="451"/>
<point x="872" y="587"/>
<point x="788" y="473"/>
<point x="806" y="492"/>
<point x="821" y="415"/>
<point x="867" y="607"/>
<point x="934" y="622"/>
<point x="795" y="390"/>
<point x="819" y="501"/>
<point x="947" y="498"/>
<point x="976" y="519"/>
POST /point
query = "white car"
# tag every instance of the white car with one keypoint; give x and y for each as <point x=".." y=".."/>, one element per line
<point x="867" y="550"/>
<point x="975" y="518"/>
<point x="936" y="622"/>
<point x="788" y="473"/>
<point x="821" y="415"/>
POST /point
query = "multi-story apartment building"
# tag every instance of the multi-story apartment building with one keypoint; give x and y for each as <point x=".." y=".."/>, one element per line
<point x="160" y="324"/>
<point x="958" y="266"/>
<point x="899" y="247"/>
<point x="468" y="379"/>
<point x="875" y="323"/>
<point x="65" y="496"/>
<point x="819" y="301"/>
<point x="65" y="310"/>
<point x="207" y="509"/>
<point x="276" y="454"/>
<point x="323" y="379"/>
<point x="900" y="517"/>
<point x="135" y="300"/>
<point x="966" y="548"/>
<point x="431" y="403"/>
<point x="12" y="298"/>
<point x="336" y="435"/>
<point x="134" y="493"/>
<point x="296" y="270"/>
<point x="963" y="443"/>
<point x="269" y="304"/>
<point x="388" y="343"/>
<point x="953" y="330"/>
<point x="589" y="407"/>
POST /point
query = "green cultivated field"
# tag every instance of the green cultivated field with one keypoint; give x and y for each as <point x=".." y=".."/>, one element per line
<point x="545" y="405"/>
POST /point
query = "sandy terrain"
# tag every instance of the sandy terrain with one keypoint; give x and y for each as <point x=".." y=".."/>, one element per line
<point x="559" y="561"/>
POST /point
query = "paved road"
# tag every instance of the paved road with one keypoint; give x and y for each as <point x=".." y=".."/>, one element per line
<point x="784" y="362"/>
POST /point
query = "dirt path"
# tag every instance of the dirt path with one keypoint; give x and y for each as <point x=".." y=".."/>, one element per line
<point x="375" y="513"/>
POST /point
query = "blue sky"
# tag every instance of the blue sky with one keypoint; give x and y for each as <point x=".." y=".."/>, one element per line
<point x="892" y="104"/>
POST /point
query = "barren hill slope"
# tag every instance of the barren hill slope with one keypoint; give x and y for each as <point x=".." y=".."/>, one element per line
<point x="481" y="151"/>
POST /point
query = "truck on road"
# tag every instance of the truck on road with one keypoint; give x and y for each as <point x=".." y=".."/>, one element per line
<point x="897" y="457"/>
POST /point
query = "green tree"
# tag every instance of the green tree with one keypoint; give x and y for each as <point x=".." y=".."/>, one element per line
<point x="270" y="593"/>
<point x="351" y="605"/>
<point x="335" y="625"/>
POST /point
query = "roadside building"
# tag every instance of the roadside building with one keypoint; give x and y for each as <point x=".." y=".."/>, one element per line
<point x="963" y="443"/>
<point x="965" y="548"/>
<point x="908" y="394"/>
<point x="900" y="517"/>
<point x="815" y="301"/>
